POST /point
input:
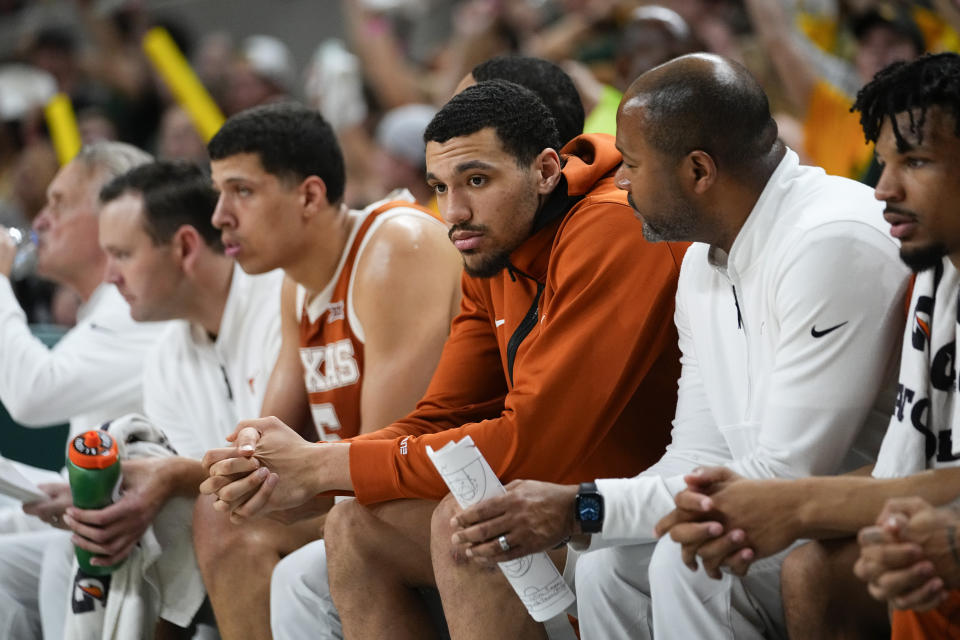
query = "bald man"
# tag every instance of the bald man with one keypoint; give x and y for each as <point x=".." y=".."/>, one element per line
<point x="787" y="357"/>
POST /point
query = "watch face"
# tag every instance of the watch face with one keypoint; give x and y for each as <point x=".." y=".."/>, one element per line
<point x="590" y="508"/>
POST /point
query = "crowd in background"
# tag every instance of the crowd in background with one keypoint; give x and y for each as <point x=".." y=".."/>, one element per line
<point x="397" y="61"/>
<point x="380" y="83"/>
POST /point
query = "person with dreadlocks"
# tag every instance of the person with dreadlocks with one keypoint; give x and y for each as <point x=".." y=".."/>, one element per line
<point x="908" y="554"/>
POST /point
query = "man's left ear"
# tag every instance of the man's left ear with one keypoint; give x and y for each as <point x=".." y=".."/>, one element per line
<point x="700" y="170"/>
<point x="186" y="243"/>
<point x="313" y="194"/>
<point x="548" y="166"/>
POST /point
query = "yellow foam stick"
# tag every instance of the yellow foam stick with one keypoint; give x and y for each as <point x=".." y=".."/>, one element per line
<point x="183" y="83"/>
<point x="62" y="124"/>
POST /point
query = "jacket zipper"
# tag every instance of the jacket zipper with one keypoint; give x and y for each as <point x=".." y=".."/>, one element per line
<point x="736" y="303"/>
<point x="746" y="342"/>
<point x="524" y="328"/>
<point x="226" y="381"/>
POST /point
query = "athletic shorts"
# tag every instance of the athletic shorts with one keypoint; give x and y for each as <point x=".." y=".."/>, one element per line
<point x="942" y="622"/>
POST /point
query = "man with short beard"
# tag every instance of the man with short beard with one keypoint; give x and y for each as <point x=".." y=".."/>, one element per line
<point x="787" y="356"/>
<point x="561" y="364"/>
<point x="910" y="110"/>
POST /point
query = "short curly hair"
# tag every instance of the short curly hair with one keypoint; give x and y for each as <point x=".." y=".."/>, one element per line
<point x="522" y="122"/>
<point x="547" y="80"/>
<point x="292" y="142"/>
<point x="911" y="87"/>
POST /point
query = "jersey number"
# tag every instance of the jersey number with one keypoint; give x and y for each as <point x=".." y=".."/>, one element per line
<point x="325" y="417"/>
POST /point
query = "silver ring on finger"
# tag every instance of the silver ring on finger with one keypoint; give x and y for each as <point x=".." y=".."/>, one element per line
<point x="502" y="541"/>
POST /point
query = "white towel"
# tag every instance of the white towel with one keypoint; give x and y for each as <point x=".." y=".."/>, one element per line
<point x="141" y="589"/>
<point x="924" y="430"/>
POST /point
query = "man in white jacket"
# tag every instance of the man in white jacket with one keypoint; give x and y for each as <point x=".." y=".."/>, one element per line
<point x="787" y="357"/>
<point x="908" y="551"/>
<point x="209" y="370"/>
<point x="93" y="374"/>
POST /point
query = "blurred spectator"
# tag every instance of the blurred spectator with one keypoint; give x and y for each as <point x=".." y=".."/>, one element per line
<point x="22" y="89"/>
<point x="100" y="65"/>
<point x="213" y="55"/>
<point x="715" y="23"/>
<point x="884" y="34"/>
<point x="334" y="86"/>
<point x="263" y="73"/>
<point x="95" y="126"/>
<point x="54" y="49"/>
<point x="394" y="80"/>
<point x="832" y="137"/>
<point x="651" y="36"/>
<point x="400" y="161"/>
<point x="34" y="170"/>
<point x="178" y="138"/>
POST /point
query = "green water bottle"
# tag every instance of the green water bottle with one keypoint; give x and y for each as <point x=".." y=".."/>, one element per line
<point x="94" y="470"/>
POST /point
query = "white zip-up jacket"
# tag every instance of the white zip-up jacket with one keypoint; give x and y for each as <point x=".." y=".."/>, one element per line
<point x="789" y="346"/>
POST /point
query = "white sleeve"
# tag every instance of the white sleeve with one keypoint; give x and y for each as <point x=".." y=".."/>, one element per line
<point x="822" y="388"/>
<point x="87" y="369"/>
<point x="634" y="505"/>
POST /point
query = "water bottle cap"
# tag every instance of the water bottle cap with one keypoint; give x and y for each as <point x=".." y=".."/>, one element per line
<point x="93" y="449"/>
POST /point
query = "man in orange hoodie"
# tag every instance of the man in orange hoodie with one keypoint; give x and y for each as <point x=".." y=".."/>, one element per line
<point x="561" y="365"/>
<point x="787" y="356"/>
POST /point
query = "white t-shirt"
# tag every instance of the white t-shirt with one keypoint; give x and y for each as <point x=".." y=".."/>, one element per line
<point x="196" y="389"/>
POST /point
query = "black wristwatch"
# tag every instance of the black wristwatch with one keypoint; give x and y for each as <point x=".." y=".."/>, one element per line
<point x="588" y="508"/>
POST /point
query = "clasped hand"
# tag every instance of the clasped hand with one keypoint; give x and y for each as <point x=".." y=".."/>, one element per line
<point x="267" y="470"/>
<point x="728" y="521"/>
<point x="910" y="557"/>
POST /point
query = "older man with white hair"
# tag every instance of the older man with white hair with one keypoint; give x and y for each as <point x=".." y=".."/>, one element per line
<point x="90" y="376"/>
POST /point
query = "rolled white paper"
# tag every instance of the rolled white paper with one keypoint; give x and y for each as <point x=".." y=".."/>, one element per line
<point x="534" y="578"/>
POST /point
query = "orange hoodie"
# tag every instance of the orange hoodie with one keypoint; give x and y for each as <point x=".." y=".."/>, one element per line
<point x="563" y="367"/>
